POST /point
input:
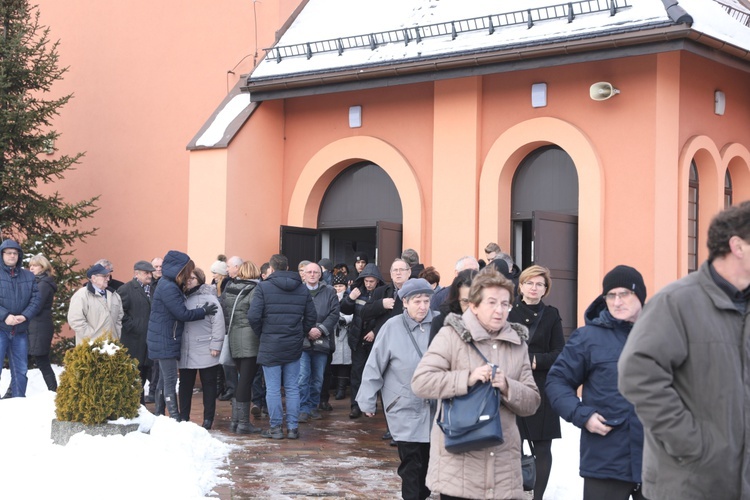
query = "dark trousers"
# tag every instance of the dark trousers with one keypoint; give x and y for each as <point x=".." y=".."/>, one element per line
<point x="327" y="378"/>
<point x="611" y="489"/>
<point x="42" y="362"/>
<point x="208" y="381"/>
<point x="359" y="359"/>
<point x="246" y="369"/>
<point x="543" y="453"/>
<point x="415" y="458"/>
<point x="259" y="388"/>
<point x="153" y="378"/>
<point x="230" y="378"/>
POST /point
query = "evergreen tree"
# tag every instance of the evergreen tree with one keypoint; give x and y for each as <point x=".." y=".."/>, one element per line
<point x="39" y="221"/>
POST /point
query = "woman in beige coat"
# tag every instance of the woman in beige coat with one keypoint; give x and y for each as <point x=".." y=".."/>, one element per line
<point x="451" y="366"/>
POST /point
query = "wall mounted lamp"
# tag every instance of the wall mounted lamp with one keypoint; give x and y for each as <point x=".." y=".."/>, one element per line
<point x="538" y="95"/>
<point x="355" y="116"/>
<point x="720" y="102"/>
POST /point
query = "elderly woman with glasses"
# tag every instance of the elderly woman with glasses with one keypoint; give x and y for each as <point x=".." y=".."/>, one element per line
<point x="397" y="350"/>
<point x="545" y="343"/>
<point x="451" y="366"/>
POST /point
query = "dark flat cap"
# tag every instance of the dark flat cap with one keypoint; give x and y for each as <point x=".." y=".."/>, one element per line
<point x="143" y="265"/>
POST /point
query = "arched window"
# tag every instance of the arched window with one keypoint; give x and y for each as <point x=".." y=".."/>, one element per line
<point x="693" y="219"/>
<point x="727" y="190"/>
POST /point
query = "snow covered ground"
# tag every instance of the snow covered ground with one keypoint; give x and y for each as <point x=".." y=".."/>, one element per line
<point x="179" y="461"/>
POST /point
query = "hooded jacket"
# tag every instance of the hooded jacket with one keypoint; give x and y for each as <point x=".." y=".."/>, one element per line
<point x="237" y="296"/>
<point x="358" y="328"/>
<point x="41" y="328"/>
<point x="444" y="373"/>
<point x="19" y="294"/>
<point x="168" y="311"/>
<point x="281" y="313"/>
<point x="590" y="359"/>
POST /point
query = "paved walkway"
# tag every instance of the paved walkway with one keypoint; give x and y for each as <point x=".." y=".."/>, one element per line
<point x="334" y="458"/>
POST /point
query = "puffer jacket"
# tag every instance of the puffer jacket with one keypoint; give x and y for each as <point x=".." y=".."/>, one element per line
<point x="327" y="317"/>
<point x="590" y="359"/>
<point x="685" y="367"/>
<point x="168" y="311"/>
<point x="281" y="313"/>
<point x="243" y="342"/>
<point x="41" y="328"/>
<point x="136" y="306"/>
<point x="201" y="337"/>
<point x="444" y="373"/>
<point x="19" y="294"/>
<point x="92" y="316"/>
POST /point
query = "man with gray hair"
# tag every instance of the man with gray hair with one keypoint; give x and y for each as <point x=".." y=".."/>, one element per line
<point x="465" y="262"/>
<point x="113" y="284"/>
<point x="233" y="266"/>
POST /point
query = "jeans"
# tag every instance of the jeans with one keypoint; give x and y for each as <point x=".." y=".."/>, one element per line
<point x="274" y="375"/>
<point x="311" y="370"/>
<point x="17" y="348"/>
<point x="167" y="385"/>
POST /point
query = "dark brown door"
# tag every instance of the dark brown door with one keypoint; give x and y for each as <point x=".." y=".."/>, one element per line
<point x="555" y="246"/>
<point x="388" y="246"/>
<point x="298" y="244"/>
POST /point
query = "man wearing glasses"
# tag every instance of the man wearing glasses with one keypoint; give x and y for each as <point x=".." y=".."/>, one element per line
<point x="611" y="434"/>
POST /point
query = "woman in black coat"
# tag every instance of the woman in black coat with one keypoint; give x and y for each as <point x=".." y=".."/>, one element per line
<point x="41" y="328"/>
<point x="545" y="342"/>
<point x="457" y="301"/>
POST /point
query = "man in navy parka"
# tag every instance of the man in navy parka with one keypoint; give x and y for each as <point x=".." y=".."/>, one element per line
<point x="19" y="302"/>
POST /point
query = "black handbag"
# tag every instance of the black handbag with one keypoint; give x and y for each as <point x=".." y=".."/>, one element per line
<point x="472" y="422"/>
<point x="528" y="463"/>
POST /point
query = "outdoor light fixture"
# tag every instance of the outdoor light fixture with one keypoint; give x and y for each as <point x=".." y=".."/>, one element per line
<point x="355" y="116"/>
<point x="720" y="102"/>
<point x="538" y="95"/>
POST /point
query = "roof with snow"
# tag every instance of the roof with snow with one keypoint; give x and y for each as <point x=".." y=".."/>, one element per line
<point x="331" y="38"/>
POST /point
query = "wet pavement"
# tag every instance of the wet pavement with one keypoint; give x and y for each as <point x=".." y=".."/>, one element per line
<point x="336" y="457"/>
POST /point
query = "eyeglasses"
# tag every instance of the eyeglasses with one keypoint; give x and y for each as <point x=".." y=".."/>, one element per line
<point x="400" y="270"/>
<point x="192" y="278"/>
<point x="612" y="296"/>
<point x="532" y="284"/>
<point x="464" y="301"/>
<point x="312" y="272"/>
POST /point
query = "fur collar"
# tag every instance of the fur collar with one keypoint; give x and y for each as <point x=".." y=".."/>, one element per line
<point x="456" y="322"/>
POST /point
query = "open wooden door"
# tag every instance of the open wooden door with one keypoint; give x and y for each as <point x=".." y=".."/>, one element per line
<point x="298" y="244"/>
<point x="555" y="246"/>
<point x="387" y="246"/>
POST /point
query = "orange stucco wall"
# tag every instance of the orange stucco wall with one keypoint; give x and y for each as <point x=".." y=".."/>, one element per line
<point x="146" y="75"/>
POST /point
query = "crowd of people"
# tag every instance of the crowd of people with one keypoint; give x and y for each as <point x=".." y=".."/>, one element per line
<point x="658" y="390"/>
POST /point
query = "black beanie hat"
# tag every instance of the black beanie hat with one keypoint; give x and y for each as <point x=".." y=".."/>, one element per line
<point x="625" y="277"/>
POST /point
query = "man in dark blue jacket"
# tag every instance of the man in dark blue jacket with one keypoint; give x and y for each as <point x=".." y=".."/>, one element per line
<point x="611" y="434"/>
<point x="19" y="302"/>
<point x="281" y="314"/>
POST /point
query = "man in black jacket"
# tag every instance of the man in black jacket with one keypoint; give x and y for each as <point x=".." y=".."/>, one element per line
<point x="136" y="307"/>
<point x="281" y="314"/>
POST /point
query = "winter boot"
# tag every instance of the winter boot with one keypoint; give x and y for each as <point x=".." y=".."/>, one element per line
<point x="243" y="419"/>
<point x="341" y="388"/>
<point x="235" y="419"/>
<point x="171" y="404"/>
<point x="51" y="381"/>
<point x="159" y="402"/>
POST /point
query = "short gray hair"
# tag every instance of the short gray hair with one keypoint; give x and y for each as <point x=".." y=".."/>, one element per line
<point x="508" y="260"/>
<point x="461" y="263"/>
<point x="105" y="263"/>
<point x="235" y="261"/>
<point x="410" y="256"/>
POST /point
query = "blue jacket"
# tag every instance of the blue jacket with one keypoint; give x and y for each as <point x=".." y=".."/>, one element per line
<point x="590" y="359"/>
<point x="168" y="311"/>
<point x="18" y="292"/>
<point x="281" y="314"/>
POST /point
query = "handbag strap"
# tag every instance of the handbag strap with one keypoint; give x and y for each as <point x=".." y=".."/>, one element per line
<point x="413" y="340"/>
<point x="526" y="429"/>
<point x="237" y="299"/>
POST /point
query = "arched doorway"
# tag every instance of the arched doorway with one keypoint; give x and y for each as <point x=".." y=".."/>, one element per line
<point x="544" y="211"/>
<point x="360" y="212"/>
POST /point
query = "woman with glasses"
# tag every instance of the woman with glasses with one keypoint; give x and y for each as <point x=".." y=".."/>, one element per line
<point x="611" y="434"/>
<point x="451" y="365"/>
<point x="545" y="343"/>
<point x="201" y="346"/>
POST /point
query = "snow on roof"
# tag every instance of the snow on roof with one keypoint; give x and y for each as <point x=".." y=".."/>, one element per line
<point x="334" y="19"/>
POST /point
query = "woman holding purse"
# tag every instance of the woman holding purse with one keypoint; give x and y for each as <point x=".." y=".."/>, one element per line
<point x="451" y="366"/>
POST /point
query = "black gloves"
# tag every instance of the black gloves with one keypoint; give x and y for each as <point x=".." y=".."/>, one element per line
<point x="210" y="308"/>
